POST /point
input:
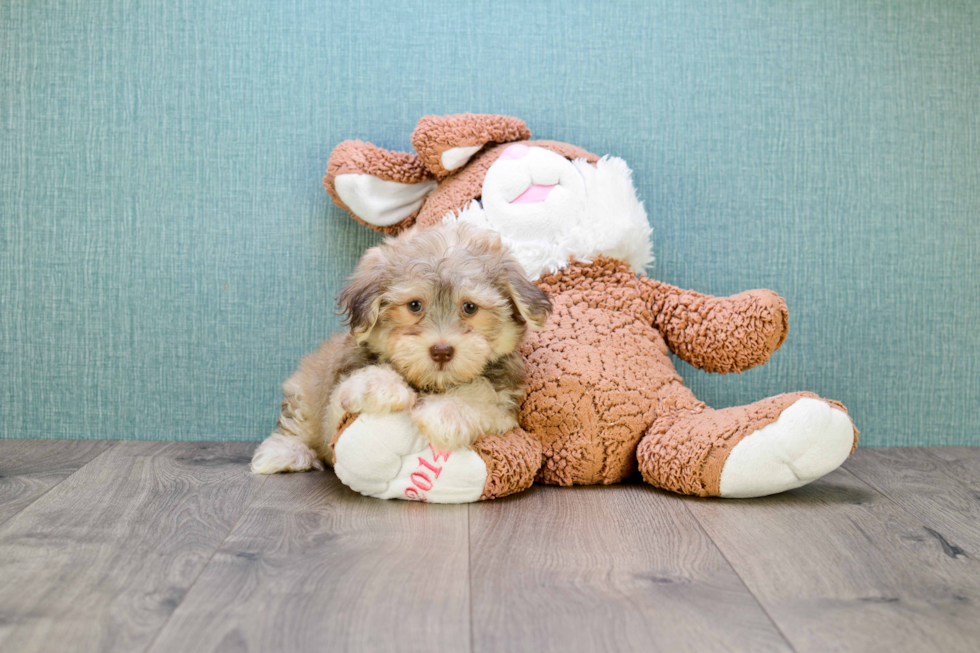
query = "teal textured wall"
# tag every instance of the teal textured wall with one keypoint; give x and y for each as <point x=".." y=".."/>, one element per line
<point x="167" y="251"/>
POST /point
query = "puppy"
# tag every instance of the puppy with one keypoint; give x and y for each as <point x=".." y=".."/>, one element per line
<point x="435" y="317"/>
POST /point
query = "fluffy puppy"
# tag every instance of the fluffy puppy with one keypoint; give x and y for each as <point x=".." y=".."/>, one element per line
<point x="435" y="317"/>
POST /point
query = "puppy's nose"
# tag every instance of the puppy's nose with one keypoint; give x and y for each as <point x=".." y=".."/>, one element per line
<point x="441" y="353"/>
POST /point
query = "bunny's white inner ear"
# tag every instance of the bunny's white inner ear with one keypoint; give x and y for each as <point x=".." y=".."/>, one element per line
<point x="456" y="157"/>
<point x="378" y="202"/>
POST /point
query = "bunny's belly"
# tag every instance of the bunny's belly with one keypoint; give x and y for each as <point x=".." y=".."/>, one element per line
<point x="596" y="380"/>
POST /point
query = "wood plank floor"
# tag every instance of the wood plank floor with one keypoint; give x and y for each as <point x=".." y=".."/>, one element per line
<point x="154" y="546"/>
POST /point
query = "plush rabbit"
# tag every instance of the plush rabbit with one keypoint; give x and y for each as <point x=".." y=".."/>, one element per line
<point x="603" y="397"/>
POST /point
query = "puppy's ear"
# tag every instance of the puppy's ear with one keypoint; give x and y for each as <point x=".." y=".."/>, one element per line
<point x="532" y="304"/>
<point x="360" y="300"/>
<point x="446" y="143"/>
<point x="382" y="189"/>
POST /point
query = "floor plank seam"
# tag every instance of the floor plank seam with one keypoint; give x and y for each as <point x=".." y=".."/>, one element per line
<point x="38" y="497"/>
<point x="739" y="576"/>
<point x="207" y="564"/>
<point x="469" y="573"/>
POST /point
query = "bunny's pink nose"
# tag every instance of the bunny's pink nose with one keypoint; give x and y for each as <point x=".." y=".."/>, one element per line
<point x="515" y="151"/>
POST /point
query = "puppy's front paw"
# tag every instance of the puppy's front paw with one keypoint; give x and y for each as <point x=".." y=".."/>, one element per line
<point x="375" y="390"/>
<point x="445" y="423"/>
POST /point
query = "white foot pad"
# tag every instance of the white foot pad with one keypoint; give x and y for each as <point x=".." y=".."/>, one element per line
<point x="385" y="456"/>
<point x="808" y="440"/>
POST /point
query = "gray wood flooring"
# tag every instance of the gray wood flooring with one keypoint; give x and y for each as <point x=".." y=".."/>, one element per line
<point x="170" y="546"/>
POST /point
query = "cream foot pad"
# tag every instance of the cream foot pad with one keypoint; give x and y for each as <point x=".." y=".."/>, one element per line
<point x="808" y="440"/>
<point x="384" y="456"/>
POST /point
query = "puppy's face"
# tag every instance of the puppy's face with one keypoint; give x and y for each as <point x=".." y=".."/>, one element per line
<point x="441" y="303"/>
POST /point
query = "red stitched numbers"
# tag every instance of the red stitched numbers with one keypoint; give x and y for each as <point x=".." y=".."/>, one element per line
<point x="436" y="453"/>
<point x="424" y="477"/>
<point x="425" y="463"/>
<point x="421" y="480"/>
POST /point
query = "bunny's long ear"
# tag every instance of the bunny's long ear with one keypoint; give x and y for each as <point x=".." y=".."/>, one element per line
<point x="380" y="188"/>
<point x="446" y="143"/>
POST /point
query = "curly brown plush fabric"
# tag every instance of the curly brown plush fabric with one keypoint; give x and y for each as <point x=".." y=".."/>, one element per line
<point x="512" y="461"/>
<point x="358" y="157"/>
<point x="434" y="135"/>
<point x="721" y="335"/>
<point x="686" y="455"/>
<point x="580" y="385"/>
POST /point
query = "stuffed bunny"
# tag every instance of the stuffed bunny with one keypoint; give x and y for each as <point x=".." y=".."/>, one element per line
<point x="603" y="397"/>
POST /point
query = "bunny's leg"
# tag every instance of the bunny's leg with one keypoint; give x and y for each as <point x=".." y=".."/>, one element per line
<point x="767" y="447"/>
<point x="512" y="459"/>
<point x="385" y="456"/>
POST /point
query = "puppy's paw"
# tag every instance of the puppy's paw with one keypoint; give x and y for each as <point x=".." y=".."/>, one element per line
<point x="284" y="453"/>
<point x="375" y="389"/>
<point x="445" y="423"/>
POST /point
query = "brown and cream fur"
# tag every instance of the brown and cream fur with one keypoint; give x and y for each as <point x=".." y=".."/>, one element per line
<point x="435" y="319"/>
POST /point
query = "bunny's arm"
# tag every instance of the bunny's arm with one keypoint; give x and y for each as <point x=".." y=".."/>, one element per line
<point x="718" y="334"/>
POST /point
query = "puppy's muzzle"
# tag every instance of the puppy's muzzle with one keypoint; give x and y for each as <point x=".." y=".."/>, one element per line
<point x="441" y="353"/>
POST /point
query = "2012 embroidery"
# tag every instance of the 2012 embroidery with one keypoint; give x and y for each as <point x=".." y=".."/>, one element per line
<point x="422" y="482"/>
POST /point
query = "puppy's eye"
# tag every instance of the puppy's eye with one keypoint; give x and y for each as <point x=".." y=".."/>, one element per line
<point x="470" y="308"/>
<point x="415" y="306"/>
